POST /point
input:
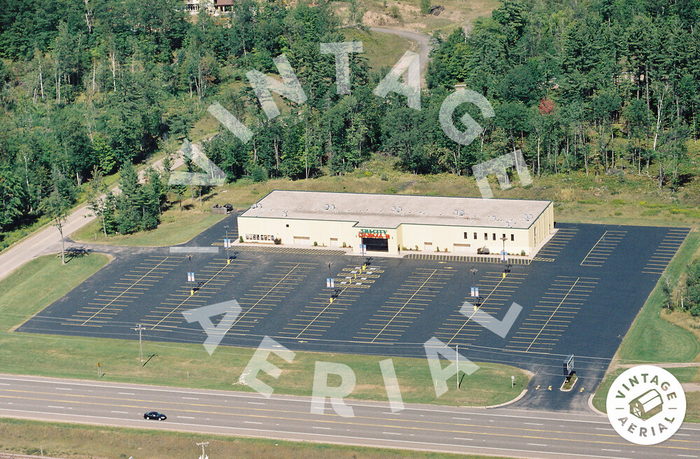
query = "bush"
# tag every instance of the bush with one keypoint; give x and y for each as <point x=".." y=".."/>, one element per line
<point x="258" y="174"/>
<point x="277" y="241"/>
<point x="315" y="244"/>
<point x="522" y="252"/>
<point x="394" y="12"/>
<point x="240" y="238"/>
<point x="692" y="288"/>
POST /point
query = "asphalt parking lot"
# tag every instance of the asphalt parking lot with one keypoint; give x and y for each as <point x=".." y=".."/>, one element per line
<point x="579" y="297"/>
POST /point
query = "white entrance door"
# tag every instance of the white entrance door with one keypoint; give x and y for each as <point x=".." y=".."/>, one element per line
<point x="461" y="248"/>
<point x="334" y="242"/>
<point x="428" y="247"/>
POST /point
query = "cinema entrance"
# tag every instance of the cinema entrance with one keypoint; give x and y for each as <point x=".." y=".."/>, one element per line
<point x="375" y="245"/>
<point x="375" y="240"/>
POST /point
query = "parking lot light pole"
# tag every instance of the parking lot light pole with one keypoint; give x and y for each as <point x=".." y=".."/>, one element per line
<point x="140" y="328"/>
<point x="457" y="345"/>
<point x="226" y="244"/>
<point x="504" y="256"/>
<point x="473" y="271"/>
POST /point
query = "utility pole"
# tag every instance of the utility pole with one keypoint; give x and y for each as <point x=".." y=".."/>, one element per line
<point x="474" y="271"/>
<point x="457" y="366"/>
<point x="140" y="328"/>
<point x="203" y="444"/>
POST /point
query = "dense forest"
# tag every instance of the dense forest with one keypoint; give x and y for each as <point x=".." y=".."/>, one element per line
<point x="88" y="88"/>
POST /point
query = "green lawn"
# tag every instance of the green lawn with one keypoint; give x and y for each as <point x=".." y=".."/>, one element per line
<point x="692" y="413"/>
<point x="176" y="227"/>
<point x="381" y="49"/>
<point x="653" y="339"/>
<point x="189" y="364"/>
<point x="686" y="375"/>
<point x="82" y="442"/>
<point x="39" y="283"/>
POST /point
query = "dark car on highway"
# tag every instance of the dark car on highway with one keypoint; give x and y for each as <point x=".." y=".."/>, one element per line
<point x="154" y="415"/>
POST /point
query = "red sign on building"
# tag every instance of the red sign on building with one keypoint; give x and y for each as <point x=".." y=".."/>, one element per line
<point x="373" y="234"/>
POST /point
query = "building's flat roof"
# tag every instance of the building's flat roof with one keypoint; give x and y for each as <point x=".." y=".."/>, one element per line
<point x="391" y="210"/>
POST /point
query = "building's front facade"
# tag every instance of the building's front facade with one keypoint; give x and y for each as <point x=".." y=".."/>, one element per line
<point x="214" y="7"/>
<point x="398" y="223"/>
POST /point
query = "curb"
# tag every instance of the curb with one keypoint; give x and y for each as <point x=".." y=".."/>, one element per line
<point x="561" y="388"/>
<point x="593" y="408"/>
<point x="522" y="394"/>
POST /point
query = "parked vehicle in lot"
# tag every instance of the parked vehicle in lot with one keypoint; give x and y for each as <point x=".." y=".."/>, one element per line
<point x="155" y="416"/>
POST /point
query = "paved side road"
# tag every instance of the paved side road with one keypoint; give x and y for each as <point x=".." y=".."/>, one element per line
<point x="501" y="431"/>
<point x="47" y="240"/>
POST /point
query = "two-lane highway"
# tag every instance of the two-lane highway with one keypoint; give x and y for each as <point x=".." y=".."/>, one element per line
<point x="502" y="431"/>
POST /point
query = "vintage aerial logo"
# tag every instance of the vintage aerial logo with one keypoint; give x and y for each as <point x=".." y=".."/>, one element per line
<point x="646" y="405"/>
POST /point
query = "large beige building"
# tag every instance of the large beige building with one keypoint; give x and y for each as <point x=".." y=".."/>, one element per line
<point x="398" y="223"/>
